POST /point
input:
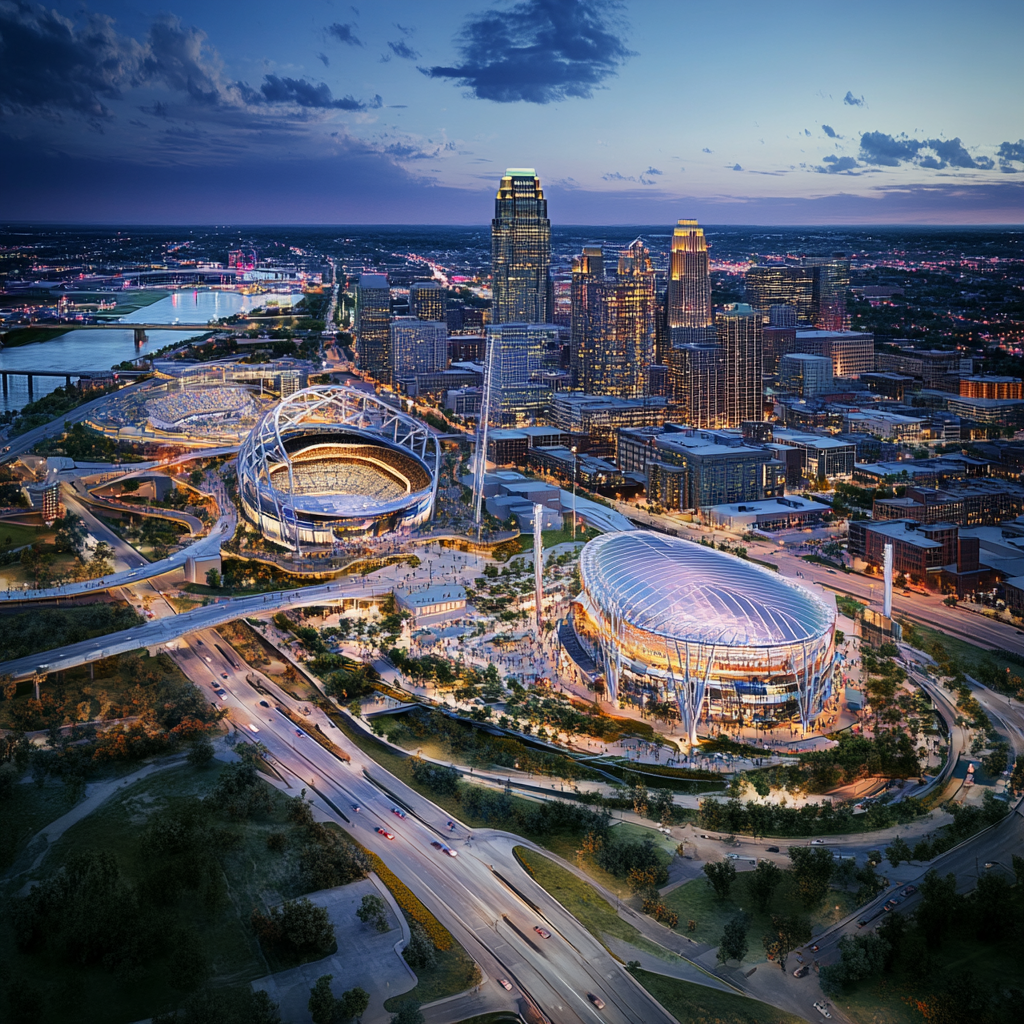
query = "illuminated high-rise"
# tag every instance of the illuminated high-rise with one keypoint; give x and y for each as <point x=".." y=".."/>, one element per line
<point x="698" y="382"/>
<point x="373" y="326"/>
<point x="814" y="286"/>
<point x="740" y="338"/>
<point x="417" y="346"/>
<point x="688" y="306"/>
<point x="521" y="250"/>
<point x="613" y="321"/>
<point x="428" y="301"/>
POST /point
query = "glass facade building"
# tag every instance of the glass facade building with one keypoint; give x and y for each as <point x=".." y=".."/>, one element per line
<point x="667" y="619"/>
<point x="428" y="301"/>
<point x="521" y="251"/>
<point x="373" y="326"/>
<point x="613" y="323"/>
<point x="688" y="309"/>
<point x="741" y="341"/>
<point x="417" y="346"/>
<point x="815" y="287"/>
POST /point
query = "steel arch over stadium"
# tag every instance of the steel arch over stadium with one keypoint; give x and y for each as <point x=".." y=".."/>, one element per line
<point x="723" y="636"/>
<point x="278" y="463"/>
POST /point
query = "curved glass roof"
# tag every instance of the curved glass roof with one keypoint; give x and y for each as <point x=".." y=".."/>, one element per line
<point x="685" y="591"/>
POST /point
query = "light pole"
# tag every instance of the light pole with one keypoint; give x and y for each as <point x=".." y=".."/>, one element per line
<point x="573" y="450"/>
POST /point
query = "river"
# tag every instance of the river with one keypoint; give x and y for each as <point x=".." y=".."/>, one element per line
<point x="100" y="350"/>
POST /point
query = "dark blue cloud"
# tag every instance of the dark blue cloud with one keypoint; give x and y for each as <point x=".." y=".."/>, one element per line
<point x="1010" y="152"/>
<point x="652" y="170"/>
<point x="706" y="150"/>
<point x="344" y="34"/>
<point x="306" y="94"/>
<point x="829" y="131"/>
<point x="538" y="51"/>
<point x="853" y="101"/>
<point x="736" y="167"/>
<point x="324" y="59"/>
<point x="402" y="50"/>
<point x="935" y="154"/>
<point x="837" y="165"/>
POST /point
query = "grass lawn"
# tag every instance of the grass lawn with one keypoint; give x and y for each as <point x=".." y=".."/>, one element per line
<point x="454" y="972"/>
<point x="696" y="901"/>
<point x="965" y="652"/>
<point x="585" y="903"/>
<point x="252" y="876"/>
<point x="695" y="1004"/>
<point x="14" y="535"/>
<point x="29" y="808"/>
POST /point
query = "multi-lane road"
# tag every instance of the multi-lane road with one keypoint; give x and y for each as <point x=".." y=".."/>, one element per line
<point x="482" y="895"/>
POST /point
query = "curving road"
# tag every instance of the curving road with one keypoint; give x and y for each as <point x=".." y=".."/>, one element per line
<point x="482" y="896"/>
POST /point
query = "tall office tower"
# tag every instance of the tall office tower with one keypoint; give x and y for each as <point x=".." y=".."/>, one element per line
<point x="613" y="318"/>
<point x="417" y="346"/>
<point x="688" y="308"/>
<point x="521" y="250"/>
<point x="781" y="315"/>
<point x="373" y="326"/>
<point x="515" y="352"/>
<point x="739" y="337"/>
<point x="814" y="286"/>
<point x="428" y="301"/>
<point x="698" y="373"/>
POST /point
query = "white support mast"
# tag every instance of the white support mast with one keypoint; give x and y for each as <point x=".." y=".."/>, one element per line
<point x="538" y="560"/>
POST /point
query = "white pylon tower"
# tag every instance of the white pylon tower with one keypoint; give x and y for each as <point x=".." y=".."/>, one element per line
<point x="887" y="577"/>
<point x="538" y="560"/>
<point x="481" y="433"/>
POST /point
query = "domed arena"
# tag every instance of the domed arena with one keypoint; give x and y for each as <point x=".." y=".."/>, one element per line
<point x="332" y="463"/>
<point x="667" y="619"/>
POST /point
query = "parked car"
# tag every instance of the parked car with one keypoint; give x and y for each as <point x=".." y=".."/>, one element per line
<point x="801" y="971"/>
<point x="823" y="1010"/>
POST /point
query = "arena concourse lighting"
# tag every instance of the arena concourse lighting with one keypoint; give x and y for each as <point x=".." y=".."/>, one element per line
<point x="665" y="618"/>
<point x="331" y="463"/>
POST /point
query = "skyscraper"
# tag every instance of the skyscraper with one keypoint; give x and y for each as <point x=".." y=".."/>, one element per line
<point x="521" y="250"/>
<point x="612" y="341"/>
<point x="739" y="337"/>
<point x="428" y="301"/>
<point x="814" y="286"/>
<point x="697" y="376"/>
<point x="373" y="326"/>
<point x="417" y="346"/>
<point x="688" y="306"/>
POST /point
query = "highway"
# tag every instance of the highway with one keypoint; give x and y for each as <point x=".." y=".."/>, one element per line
<point x="482" y="896"/>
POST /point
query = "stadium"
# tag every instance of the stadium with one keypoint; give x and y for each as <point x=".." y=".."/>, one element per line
<point x="332" y="463"/>
<point x="667" y="619"/>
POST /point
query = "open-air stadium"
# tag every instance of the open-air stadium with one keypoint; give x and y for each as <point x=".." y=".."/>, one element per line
<point x="179" y="409"/>
<point x="331" y="463"/>
<point x="672" y="620"/>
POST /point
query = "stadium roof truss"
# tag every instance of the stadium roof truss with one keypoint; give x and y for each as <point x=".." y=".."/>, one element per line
<point x="333" y="407"/>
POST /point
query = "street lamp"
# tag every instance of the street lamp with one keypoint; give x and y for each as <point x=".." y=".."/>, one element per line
<point x="573" y="450"/>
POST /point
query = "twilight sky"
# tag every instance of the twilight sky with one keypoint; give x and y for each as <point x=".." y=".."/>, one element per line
<point x="793" y="112"/>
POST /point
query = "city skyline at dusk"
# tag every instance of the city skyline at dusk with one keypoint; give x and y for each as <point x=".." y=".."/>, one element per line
<point x="631" y="113"/>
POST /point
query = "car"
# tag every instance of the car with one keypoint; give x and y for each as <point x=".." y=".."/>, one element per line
<point x="908" y="890"/>
<point x="732" y="856"/>
<point x="814" y="948"/>
<point x="801" y="971"/>
<point x="200" y="643"/>
<point x="264" y="704"/>
<point x="298" y="732"/>
<point x="209" y="660"/>
<point x="596" y="1000"/>
<point x="252" y="728"/>
<point x="818" y="842"/>
<point x="772" y="849"/>
<point x="398" y="811"/>
<point x="355" y="807"/>
<point x="505" y="984"/>
<point x="890" y="905"/>
<point x="451" y="852"/>
<point x="223" y="694"/>
<point x="823" y="1010"/>
<point x="542" y="932"/>
<point x="436" y="845"/>
<point x="385" y="833"/>
<point x="223" y="675"/>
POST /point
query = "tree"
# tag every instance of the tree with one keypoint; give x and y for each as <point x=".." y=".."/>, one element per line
<point x="786" y="934"/>
<point x="189" y="964"/>
<point x="353" y="1004"/>
<point x="409" y="1013"/>
<point x="321" y="1003"/>
<point x="720" y="874"/>
<point x="813" y="867"/>
<point x="762" y="883"/>
<point x="373" y="910"/>
<point x="213" y="578"/>
<point x="733" y="944"/>
<point x="420" y="953"/>
<point x="71" y="533"/>
<point x="201" y="752"/>
<point x="897" y="852"/>
<point x="939" y="907"/>
<point x="261" y="1010"/>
